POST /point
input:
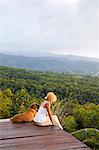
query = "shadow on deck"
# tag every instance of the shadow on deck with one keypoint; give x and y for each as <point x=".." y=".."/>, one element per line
<point x="27" y="136"/>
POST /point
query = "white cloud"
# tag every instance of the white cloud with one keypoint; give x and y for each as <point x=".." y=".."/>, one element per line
<point x="60" y="26"/>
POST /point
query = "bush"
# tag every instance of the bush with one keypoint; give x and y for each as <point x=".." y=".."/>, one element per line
<point x="69" y="123"/>
<point x="5" y="103"/>
<point x="91" y="118"/>
<point x="89" y="136"/>
<point x="92" y="143"/>
<point x="79" y="113"/>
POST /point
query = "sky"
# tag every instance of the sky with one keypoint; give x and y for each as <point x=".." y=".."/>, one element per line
<point x="40" y="27"/>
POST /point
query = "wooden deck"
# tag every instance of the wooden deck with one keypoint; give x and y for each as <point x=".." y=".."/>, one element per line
<point x="27" y="136"/>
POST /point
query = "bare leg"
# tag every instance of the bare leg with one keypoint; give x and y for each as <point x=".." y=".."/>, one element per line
<point x="56" y="121"/>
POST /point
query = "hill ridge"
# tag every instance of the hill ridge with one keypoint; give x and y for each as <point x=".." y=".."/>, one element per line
<point x="67" y="64"/>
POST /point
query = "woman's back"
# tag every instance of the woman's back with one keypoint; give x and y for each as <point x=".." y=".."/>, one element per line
<point x="41" y="114"/>
<point x="44" y="116"/>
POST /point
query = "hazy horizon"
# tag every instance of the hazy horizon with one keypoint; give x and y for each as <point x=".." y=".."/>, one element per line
<point x="54" y="27"/>
<point x="48" y="55"/>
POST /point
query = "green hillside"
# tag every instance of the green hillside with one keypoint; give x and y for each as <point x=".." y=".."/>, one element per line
<point x="68" y="64"/>
<point x="37" y="84"/>
<point x="78" y="98"/>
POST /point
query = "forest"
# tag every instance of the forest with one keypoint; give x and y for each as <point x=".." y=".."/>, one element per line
<point x="78" y="99"/>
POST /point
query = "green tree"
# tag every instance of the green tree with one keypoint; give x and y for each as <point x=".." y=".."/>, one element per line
<point x="89" y="136"/>
<point x="21" y="101"/>
<point x="5" y="103"/>
<point x="91" y="118"/>
<point x="79" y="113"/>
<point x="69" y="123"/>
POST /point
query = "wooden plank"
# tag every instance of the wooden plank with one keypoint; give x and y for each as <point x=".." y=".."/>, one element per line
<point x="85" y="148"/>
<point x="27" y="136"/>
<point x="9" y="130"/>
<point x="43" y="142"/>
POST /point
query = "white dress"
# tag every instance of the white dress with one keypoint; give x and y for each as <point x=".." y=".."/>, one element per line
<point x="42" y="118"/>
<point x="41" y="115"/>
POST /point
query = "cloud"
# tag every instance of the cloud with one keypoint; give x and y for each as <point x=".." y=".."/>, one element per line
<point x="60" y="26"/>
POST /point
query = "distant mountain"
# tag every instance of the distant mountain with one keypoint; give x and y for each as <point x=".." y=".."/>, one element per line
<point x="57" y="63"/>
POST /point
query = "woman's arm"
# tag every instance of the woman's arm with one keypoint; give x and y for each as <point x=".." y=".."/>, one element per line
<point x="47" y="106"/>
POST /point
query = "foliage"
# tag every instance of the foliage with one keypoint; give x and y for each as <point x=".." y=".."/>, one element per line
<point x="79" y="113"/>
<point x="21" y="101"/>
<point x="5" y="103"/>
<point x="91" y="118"/>
<point x="66" y="86"/>
<point x="69" y="124"/>
<point x="86" y="115"/>
<point x="77" y="106"/>
<point x="89" y="136"/>
<point x="92" y="143"/>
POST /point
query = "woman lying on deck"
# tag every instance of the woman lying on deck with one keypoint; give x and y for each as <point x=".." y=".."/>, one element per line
<point x="44" y="116"/>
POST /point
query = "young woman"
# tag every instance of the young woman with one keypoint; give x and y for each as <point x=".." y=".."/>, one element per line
<point x="44" y="116"/>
